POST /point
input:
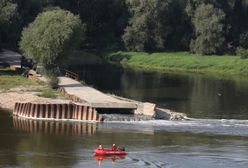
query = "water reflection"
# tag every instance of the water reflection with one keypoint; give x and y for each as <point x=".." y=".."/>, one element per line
<point x="54" y="128"/>
<point x="112" y="158"/>
<point x="199" y="96"/>
<point x="148" y="145"/>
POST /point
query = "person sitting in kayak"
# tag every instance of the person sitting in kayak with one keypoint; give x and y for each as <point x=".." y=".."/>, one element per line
<point x="100" y="147"/>
<point x="114" y="147"/>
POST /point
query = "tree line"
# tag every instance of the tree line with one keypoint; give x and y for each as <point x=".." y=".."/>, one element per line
<point x="200" y="26"/>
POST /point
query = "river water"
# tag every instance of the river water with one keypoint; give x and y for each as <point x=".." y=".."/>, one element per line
<point x="220" y="139"/>
<point x="199" y="96"/>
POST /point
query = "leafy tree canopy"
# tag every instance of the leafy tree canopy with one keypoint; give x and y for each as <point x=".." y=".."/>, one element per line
<point x="51" y="37"/>
<point x="7" y="11"/>
<point x="209" y="30"/>
<point x="146" y="29"/>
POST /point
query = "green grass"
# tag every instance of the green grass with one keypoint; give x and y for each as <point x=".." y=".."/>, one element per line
<point x="182" y="62"/>
<point x="48" y="93"/>
<point x="10" y="79"/>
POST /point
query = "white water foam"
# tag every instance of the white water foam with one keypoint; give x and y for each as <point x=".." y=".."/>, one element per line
<point x="209" y="126"/>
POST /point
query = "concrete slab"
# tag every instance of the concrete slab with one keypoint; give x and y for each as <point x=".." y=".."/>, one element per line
<point x="92" y="96"/>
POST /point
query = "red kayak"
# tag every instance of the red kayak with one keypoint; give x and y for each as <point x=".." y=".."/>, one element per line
<point x="109" y="152"/>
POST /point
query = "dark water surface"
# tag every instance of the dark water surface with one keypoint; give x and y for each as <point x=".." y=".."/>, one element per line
<point x="197" y="95"/>
<point x="211" y="143"/>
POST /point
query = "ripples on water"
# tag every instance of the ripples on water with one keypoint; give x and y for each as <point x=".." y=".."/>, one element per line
<point x="150" y="143"/>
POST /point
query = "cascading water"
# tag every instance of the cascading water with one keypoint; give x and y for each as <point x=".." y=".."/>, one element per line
<point x="124" y="117"/>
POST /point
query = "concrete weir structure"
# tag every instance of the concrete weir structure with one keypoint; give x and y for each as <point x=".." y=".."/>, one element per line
<point x="96" y="99"/>
<point x="56" y="112"/>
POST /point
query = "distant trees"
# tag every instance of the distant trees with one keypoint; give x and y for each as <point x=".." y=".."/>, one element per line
<point x="209" y="30"/>
<point x="201" y="26"/>
<point x="145" y="29"/>
<point x="8" y="12"/>
<point x="51" y="37"/>
<point x="157" y="25"/>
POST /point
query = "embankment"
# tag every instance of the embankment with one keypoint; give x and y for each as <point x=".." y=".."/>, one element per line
<point x="182" y="62"/>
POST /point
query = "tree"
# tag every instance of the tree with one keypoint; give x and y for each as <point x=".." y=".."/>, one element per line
<point x="209" y="30"/>
<point x="8" y="12"/>
<point x="105" y="21"/>
<point x="51" y="37"/>
<point x="146" y="29"/>
<point x="242" y="50"/>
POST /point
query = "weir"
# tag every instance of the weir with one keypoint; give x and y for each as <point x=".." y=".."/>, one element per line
<point x="94" y="98"/>
<point x="57" y="112"/>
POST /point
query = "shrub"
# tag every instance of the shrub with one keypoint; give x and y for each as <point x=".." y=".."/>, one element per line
<point x="242" y="52"/>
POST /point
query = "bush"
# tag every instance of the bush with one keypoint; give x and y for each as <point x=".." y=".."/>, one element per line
<point x="53" y="81"/>
<point x="51" y="74"/>
<point x="243" y="39"/>
<point x="242" y="52"/>
<point x="48" y="93"/>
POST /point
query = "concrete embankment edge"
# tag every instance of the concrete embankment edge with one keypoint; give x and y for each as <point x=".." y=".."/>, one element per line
<point x="57" y="112"/>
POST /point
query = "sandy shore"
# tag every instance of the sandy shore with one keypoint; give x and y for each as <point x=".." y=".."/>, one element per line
<point x="24" y="95"/>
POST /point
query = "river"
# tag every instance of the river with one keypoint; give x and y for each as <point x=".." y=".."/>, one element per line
<point x="199" y="96"/>
<point x="218" y="139"/>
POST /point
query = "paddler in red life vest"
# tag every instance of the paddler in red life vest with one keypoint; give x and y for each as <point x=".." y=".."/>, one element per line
<point x="114" y="148"/>
<point x="100" y="147"/>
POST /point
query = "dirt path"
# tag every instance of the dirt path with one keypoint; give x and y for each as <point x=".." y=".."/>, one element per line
<point x="8" y="57"/>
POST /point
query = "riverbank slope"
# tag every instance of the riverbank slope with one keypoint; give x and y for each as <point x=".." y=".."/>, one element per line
<point x="182" y="62"/>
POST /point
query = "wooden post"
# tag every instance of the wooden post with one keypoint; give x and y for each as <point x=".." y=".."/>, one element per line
<point x="32" y="110"/>
<point x="94" y="115"/>
<point x="57" y="111"/>
<point x="41" y="111"/>
<point x="14" y="111"/>
<point x="85" y="112"/>
<point x="53" y="108"/>
<point x="28" y="110"/>
<point x="46" y="111"/>
<point x="36" y="111"/>
<point x="90" y="113"/>
<point x="63" y="111"/>
<point x="80" y="112"/>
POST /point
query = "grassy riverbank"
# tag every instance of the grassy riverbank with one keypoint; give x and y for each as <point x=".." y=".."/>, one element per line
<point x="11" y="79"/>
<point x="182" y="61"/>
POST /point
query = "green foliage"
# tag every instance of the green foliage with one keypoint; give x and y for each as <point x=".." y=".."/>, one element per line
<point x="48" y="93"/>
<point x="7" y="11"/>
<point x="150" y="25"/>
<point x="51" y="37"/>
<point x="50" y="72"/>
<point x="52" y="80"/>
<point x="10" y="79"/>
<point x="243" y="40"/>
<point x="209" y="30"/>
<point x="242" y="52"/>
<point x="105" y="21"/>
<point x="146" y="30"/>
